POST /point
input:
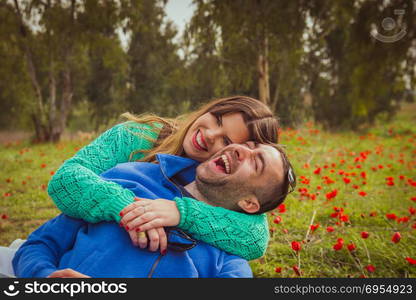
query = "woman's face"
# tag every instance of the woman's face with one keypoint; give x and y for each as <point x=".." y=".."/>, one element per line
<point x="210" y="134"/>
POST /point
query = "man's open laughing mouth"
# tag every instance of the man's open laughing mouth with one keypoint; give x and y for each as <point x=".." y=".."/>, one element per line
<point x="224" y="163"/>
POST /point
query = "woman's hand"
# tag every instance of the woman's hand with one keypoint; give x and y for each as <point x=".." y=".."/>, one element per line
<point x="145" y="214"/>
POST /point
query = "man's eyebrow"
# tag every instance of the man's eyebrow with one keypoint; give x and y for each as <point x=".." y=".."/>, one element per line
<point x="261" y="156"/>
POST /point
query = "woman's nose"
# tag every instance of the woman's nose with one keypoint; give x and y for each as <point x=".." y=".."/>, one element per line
<point x="211" y="136"/>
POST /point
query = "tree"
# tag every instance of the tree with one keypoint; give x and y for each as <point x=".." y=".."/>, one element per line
<point x="155" y="67"/>
<point x="353" y="76"/>
<point x="50" y="55"/>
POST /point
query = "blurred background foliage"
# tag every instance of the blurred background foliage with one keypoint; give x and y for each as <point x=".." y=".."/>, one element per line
<point x="79" y="64"/>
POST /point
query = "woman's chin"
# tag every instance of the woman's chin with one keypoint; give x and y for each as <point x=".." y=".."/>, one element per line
<point x="199" y="156"/>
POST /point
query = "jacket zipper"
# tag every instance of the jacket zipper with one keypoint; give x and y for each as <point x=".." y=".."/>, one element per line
<point x="159" y="258"/>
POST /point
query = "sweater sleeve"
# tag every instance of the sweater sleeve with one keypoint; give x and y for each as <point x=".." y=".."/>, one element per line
<point x="39" y="256"/>
<point x="77" y="189"/>
<point x="241" y="234"/>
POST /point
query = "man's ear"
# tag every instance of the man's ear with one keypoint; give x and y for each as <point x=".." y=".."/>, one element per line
<point x="250" y="205"/>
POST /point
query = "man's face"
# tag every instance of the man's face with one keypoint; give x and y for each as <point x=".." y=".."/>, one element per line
<point x="237" y="171"/>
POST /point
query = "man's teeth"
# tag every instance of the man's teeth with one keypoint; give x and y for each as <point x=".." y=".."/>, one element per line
<point x="226" y="162"/>
<point x="199" y="141"/>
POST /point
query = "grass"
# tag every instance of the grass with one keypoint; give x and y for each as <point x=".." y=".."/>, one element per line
<point x="322" y="160"/>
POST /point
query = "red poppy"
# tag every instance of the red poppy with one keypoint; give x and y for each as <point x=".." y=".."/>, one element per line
<point x="401" y="177"/>
<point x="411" y="260"/>
<point x="363" y="175"/>
<point x="412" y="210"/>
<point x="355" y="186"/>
<point x="8" y="180"/>
<point x="337" y="246"/>
<point x="365" y="234"/>
<point x="362" y="193"/>
<point x="43" y="165"/>
<point x="396" y="237"/>
<point x="391" y="216"/>
<point x="330" y="229"/>
<point x="346" y="180"/>
<point x="314" y="227"/>
<point x="4" y="217"/>
<point x="296" y="246"/>
<point x="281" y="208"/>
<point x="370" y="268"/>
<point x="344" y="218"/>
<point x="7" y="194"/>
<point x="373" y="214"/>
<point x="278" y="269"/>
<point x="317" y="171"/>
<point x="331" y="195"/>
<point x="414" y="226"/>
<point x="296" y="269"/>
<point x="351" y="247"/>
<point x="403" y="219"/>
<point x="413" y="199"/>
<point x="277" y="220"/>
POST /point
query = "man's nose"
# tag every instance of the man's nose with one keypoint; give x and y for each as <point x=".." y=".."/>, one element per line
<point x="243" y="151"/>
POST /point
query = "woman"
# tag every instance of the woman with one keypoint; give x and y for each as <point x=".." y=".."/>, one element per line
<point x="78" y="190"/>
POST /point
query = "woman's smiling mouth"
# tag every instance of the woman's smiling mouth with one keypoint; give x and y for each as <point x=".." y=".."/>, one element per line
<point x="199" y="142"/>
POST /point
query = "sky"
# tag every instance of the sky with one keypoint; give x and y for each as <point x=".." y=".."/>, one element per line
<point x="180" y="12"/>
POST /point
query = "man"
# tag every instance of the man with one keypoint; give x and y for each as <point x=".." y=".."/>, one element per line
<point x="69" y="247"/>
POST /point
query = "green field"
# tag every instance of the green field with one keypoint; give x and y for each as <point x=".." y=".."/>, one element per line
<point x="350" y="182"/>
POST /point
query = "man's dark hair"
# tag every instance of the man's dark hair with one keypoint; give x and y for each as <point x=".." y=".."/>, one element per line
<point x="272" y="195"/>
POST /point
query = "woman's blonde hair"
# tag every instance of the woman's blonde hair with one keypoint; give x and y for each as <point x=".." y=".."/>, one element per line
<point x="262" y="125"/>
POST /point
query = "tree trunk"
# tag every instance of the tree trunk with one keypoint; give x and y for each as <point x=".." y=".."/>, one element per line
<point x="39" y="115"/>
<point x="263" y="71"/>
<point x="65" y="106"/>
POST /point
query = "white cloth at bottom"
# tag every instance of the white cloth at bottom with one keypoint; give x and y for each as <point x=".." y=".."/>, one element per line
<point x="6" y="257"/>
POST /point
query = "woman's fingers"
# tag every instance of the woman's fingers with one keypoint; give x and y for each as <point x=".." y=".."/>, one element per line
<point x="134" y="211"/>
<point x="156" y="223"/>
<point x="135" y="204"/>
<point x="138" y="221"/>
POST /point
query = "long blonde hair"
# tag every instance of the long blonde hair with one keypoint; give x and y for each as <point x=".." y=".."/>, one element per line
<point x="262" y="125"/>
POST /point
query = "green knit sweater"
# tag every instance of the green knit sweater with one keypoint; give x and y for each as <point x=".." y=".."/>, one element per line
<point x="78" y="191"/>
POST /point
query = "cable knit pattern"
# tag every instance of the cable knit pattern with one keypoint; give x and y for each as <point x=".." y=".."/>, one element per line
<point x="78" y="191"/>
<point x="238" y="233"/>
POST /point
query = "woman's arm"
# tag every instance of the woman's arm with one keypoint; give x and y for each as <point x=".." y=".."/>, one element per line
<point x="237" y="233"/>
<point x="241" y="234"/>
<point x="77" y="188"/>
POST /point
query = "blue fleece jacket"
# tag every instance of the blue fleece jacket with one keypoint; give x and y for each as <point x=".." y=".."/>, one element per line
<point x="105" y="249"/>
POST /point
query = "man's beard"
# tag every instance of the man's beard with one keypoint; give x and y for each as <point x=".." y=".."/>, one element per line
<point x="221" y="193"/>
